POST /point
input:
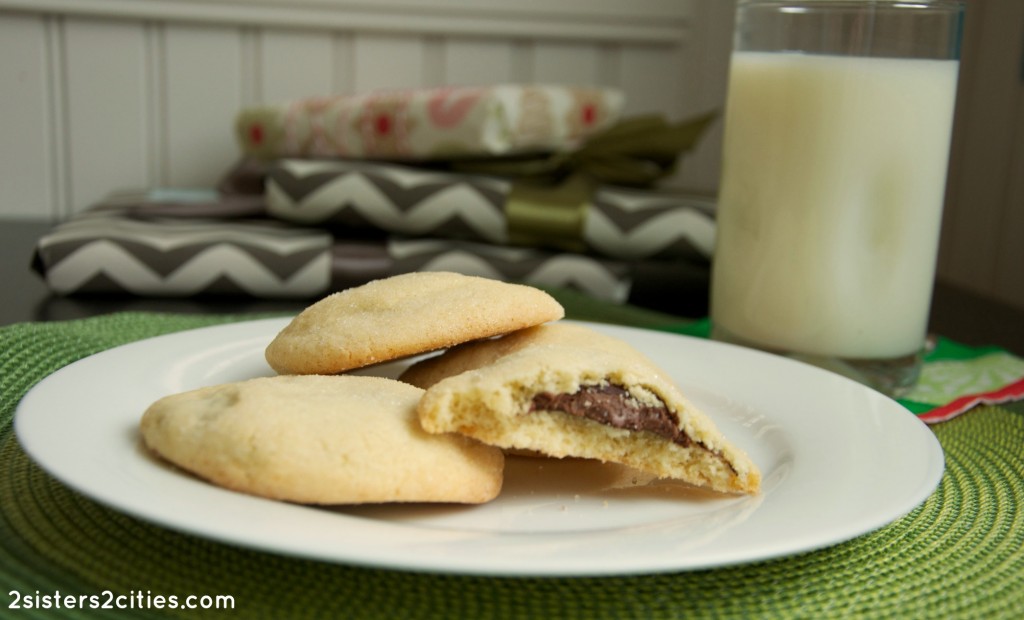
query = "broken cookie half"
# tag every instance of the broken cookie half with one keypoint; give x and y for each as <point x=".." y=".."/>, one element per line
<point x="565" y="390"/>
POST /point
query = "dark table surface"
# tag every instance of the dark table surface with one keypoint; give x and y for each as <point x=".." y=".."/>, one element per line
<point x="956" y="313"/>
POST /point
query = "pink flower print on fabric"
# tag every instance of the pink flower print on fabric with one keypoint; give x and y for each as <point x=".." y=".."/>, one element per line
<point x="256" y="133"/>
<point x="384" y="126"/>
<point x="536" y="121"/>
<point x="305" y="128"/>
<point x="588" y="114"/>
<point x="450" y="106"/>
<point x="588" y="109"/>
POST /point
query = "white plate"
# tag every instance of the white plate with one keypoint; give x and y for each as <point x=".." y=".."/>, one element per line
<point x="838" y="460"/>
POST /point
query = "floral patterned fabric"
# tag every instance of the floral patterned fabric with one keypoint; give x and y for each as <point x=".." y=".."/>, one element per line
<point x="429" y="123"/>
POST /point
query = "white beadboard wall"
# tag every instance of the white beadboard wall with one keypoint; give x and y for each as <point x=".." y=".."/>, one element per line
<point x="103" y="95"/>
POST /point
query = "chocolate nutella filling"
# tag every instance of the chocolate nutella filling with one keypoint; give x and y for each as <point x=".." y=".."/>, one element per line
<point x="616" y="407"/>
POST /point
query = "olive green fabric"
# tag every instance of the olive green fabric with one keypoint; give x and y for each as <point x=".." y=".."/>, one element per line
<point x="956" y="556"/>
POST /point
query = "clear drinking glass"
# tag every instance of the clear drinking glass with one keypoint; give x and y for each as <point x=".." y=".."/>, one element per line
<point x="837" y="134"/>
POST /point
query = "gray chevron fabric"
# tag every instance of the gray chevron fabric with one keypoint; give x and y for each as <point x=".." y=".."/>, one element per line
<point x="124" y="247"/>
<point x="395" y="199"/>
<point x="618" y="223"/>
<point x="106" y="251"/>
<point x="602" y="279"/>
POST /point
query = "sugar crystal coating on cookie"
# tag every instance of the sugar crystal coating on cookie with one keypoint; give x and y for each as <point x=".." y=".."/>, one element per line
<point x="566" y="390"/>
<point x="319" y="440"/>
<point x="401" y="316"/>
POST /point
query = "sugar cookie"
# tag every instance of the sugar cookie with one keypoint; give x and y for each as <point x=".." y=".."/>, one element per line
<point x="320" y="440"/>
<point x="401" y="316"/>
<point x="567" y="390"/>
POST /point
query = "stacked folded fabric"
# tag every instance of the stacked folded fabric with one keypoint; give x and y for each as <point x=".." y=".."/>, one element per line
<point x="543" y="185"/>
<point x="430" y="123"/>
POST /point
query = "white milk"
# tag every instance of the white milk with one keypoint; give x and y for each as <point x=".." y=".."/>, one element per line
<point x="834" y="172"/>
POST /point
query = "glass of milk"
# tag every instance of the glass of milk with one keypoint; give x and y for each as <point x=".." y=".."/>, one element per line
<point x="837" y="135"/>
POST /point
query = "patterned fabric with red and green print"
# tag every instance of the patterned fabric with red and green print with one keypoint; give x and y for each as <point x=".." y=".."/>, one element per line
<point x="429" y="123"/>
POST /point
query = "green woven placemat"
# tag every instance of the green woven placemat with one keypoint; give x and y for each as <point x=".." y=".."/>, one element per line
<point x="959" y="555"/>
